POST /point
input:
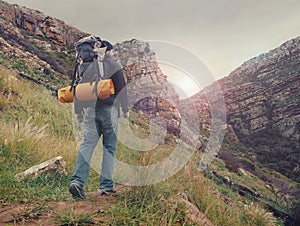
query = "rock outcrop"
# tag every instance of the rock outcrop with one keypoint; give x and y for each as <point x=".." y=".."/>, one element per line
<point x="52" y="166"/>
<point x="193" y="215"/>
<point x="262" y="99"/>
<point x="37" y="24"/>
<point x="38" y="42"/>
<point x="263" y="93"/>
<point x="148" y="88"/>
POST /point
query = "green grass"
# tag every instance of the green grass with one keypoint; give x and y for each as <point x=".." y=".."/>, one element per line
<point x="54" y="80"/>
<point x="277" y="190"/>
<point x="155" y="204"/>
<point x="35" y="128"/>
<point x="148" y="205"/>
<point x="70" y="217"/>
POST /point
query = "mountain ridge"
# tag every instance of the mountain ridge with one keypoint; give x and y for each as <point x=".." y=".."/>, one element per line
<point x="39" y="24"/>
<point x="262" y="105"/>
<point x="285" y="49"/>
<point x="257" y="95"/>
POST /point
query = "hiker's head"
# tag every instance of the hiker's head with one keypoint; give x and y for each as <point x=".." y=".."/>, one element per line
<point x="107" y="44"/>
<point x="98" y="39"/>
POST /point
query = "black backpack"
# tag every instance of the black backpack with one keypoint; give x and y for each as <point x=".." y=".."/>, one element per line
<point x="89" y="56"/>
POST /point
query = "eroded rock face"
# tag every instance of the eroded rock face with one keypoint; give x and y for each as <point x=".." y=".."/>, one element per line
<point x="148" y="88"/>
<point x="142" y="71"/>
<point x="262" y="100"/>
<point x="264" y="92"/>
<point x="39" y="24"/>
<point x="33" y="42"/>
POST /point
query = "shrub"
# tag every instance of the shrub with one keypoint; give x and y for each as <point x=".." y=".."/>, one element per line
<point x="255" y="215"/>
<point x="232" y="162"/>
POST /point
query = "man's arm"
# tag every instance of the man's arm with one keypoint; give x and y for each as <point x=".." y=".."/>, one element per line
<point x="121" y="90"/>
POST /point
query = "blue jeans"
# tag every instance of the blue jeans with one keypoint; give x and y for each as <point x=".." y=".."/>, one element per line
<point x="107" y="126"/>
<point x="102" y="122"/>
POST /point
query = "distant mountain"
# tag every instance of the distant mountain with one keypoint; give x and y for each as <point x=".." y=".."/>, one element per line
<point x="262" y="99"/>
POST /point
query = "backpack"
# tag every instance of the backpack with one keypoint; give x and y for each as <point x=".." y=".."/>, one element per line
<point x="88" y="67"/>
<point x="90" y="52"/>
<point x="88" y="82"/>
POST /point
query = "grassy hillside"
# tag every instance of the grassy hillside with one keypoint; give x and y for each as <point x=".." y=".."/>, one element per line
<point x="35" y="127"/>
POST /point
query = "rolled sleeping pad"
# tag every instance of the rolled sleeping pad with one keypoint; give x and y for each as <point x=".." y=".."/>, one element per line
<point x="87" y="91"/>
<point x="65" y="95"/>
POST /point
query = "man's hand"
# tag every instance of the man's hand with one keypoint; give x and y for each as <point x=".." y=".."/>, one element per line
<point x="126" y="114"/>
<point x="79" y="118"/>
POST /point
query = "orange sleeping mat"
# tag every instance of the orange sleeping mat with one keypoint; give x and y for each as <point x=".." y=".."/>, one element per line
<point x="85" y="91"/>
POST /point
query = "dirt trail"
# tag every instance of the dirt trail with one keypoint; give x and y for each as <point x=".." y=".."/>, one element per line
<point x="46" y="213"/>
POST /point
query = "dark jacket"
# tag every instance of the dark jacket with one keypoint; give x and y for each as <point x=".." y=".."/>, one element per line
<point x="113" y="71"/>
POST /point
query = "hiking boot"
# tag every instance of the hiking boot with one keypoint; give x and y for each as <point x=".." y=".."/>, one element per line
<point x="107" y="192"/>
<point x="76" y="191"/>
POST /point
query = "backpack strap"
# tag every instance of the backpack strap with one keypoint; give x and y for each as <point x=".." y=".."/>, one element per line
<point x="74" y="94"/>
<point x="95" y="89"/>
<point x="74" y="77"/>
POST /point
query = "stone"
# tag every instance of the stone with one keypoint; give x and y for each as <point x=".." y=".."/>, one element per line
<point x="242" y="172"/>
<point x="56" y="164"/>
<point x="227" y="179"/>
<point x="268" y="187"/>
<point x="193" y="215"/>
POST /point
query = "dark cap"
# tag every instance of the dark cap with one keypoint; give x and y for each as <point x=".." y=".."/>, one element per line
<point x="107" y="44"/>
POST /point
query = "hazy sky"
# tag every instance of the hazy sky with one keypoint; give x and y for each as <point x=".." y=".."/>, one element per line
<point x="222" y="33"/>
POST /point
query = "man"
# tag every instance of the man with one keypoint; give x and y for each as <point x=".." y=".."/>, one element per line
<point x="100" y="118"/>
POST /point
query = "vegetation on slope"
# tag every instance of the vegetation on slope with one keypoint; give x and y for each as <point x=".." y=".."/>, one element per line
<point x="36" y="128"/>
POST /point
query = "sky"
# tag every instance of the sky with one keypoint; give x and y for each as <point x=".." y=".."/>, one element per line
<point x="222" y="34"/>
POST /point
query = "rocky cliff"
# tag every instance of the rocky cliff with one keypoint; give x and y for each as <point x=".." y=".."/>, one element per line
<point x="262" y="99"/>
<point x="264" y="92"/>
<point x="36" y="23"/>
<point x="36" y="44"/>
<point x="148" y="88"/>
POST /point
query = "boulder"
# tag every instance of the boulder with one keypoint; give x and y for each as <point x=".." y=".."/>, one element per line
<point x="193" y="215"/>
<point x="55" y="165"/>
